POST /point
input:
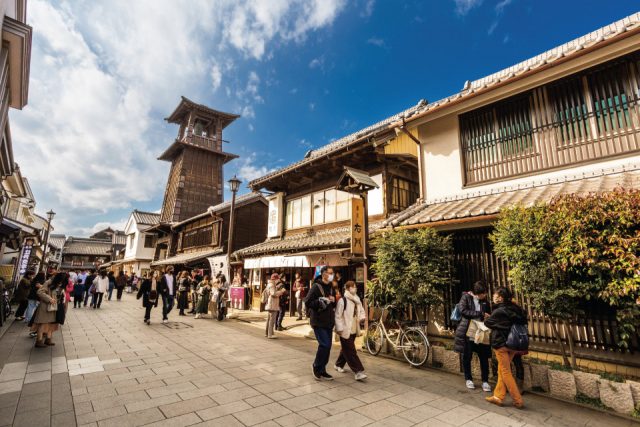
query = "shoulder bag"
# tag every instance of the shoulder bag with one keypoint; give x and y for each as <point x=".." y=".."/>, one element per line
<point x="518" y="338"/>
<point x="53" y="304"/>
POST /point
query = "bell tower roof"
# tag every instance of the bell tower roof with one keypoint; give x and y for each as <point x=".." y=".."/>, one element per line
<point x="186" y="106"/>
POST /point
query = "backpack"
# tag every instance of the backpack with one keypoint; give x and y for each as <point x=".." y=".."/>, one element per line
<point x="455" y="314"/>
<point x="518" y="338"/>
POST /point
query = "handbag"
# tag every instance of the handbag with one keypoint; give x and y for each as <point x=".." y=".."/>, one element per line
<point x="92" y="290"/>
<point x="518" y="338"/>
<point x="60" y="317"/>
<point x="214" y="297"/>
<point x="455" y="314"/>
<point x="52" y="306"/>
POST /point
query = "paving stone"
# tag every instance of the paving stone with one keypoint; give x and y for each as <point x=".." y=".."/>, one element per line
<point x="9" y="399"/>
<point x="343" y="405"/>
<point x="264" y="413"/>
<point x="222" y="410"/>
<point x="64" y="419"/>
<point x="37" y="377"/>
<point x="420" y="413"/>
<point x="226" y="421"/>
<point x="6" y="415"/>
<point x="379" y="410"/>
<point x="135" y="419"/>
<point x="152" y="403"/>
<point x="33" y="419"/>
<point x="34" y="402"/>
<point x="348" y="418"/>
<point x="183" y="420"/>
<point x="10" y="387"/>
<point x="184" y="407"/>
<point x="166" y="390"/>
<point x="497" y="420"/>
<point x="260" y="400"/>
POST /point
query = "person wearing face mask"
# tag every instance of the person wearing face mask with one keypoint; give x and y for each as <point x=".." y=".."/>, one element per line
<point x="272" y="305"/>
<point x="320" y="303"/>
<point x="473" y="306"/>
<point x="505" y="314"/>
<point x="349" y="315"/>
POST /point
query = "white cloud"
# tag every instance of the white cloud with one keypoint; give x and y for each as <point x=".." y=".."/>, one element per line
<point x="306" y="144"/>
<point x="499" y="9"/>
<point x="312" y="106"/>
<point x="506" y="39"/>
<point x="376" y="41"/>
<point x="368" y="9"/>
<point x="105" y="74"/>
<point x="463" y="7"/>
<point x="99" y="226"/>
<point x="250" y="171"/>
<point x="250" y="127"/>
<point x="317" y="62"/>
<point x="294" y="90"/>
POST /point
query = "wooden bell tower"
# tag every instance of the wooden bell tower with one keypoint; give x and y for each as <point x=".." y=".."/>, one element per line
<point x="196" y="180"/>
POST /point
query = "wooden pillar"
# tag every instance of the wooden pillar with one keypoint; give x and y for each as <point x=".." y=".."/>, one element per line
<point x="219" y="133"/>
<point x="190" y="124"/>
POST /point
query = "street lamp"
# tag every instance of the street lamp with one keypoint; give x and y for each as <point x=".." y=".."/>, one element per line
<point x="50" y="216"/>
<point x="234" y="184"/>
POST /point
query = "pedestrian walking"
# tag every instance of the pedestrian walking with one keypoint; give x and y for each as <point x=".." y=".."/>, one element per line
<point x="121" y="282"/>
<point x="149" y="294"/>
<point x="167" y="291"/>
<point x="134" y="282"/>
<point x="300" y="287"/>
<point x="22" y="294"/>
<point x="204" y="294"/>
<point x="320" y="303"/>
<point x="505" y="313"/>
<point x="272" y="304"/>
<point x="78" y="292"/>
<point x="73" y="275"/>
<point x="112" y="283"/>
<point x="33" y="297"/>
<point x="473" y="306"/>
<point x="67" y="294"/>
<point x="349" y="315"/>
<point x="88" y="284"/>
<point x="223" y="297"/>
<point x="195" y="283"/>
<point x="51" y="296"/>
<point x="101" y="284"/>
<point x="184" y="286"/>
<point x="283" y="303"/>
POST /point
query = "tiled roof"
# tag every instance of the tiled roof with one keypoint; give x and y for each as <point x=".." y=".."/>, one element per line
<point x="336" y="145"/>
<point x="490" y="202"/>
<point x="57" y="240"/>
<point x="119" y="238"/>
<point x="146" y="218"/>
<point x="187" y="258"/>
<point x="217" y="209"/>
<point x="84" y="246"/>
<point x="308" y="240"/>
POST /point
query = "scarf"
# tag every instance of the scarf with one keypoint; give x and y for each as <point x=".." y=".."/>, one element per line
<point x="153" y="291"/>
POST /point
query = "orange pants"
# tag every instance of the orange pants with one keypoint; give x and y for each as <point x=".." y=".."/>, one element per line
<point x="506" y="382"/>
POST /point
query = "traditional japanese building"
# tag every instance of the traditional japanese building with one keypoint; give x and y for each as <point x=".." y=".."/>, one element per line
<point x="85" y="253"/>
<point x="196" y="181"/>
<point x="140" y="246"/>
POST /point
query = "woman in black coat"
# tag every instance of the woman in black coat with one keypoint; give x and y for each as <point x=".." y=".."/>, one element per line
<point x="149" y="293"/>
<point x="473" y="305"/>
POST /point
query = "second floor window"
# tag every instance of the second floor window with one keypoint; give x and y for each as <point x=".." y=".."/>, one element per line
<point x="320" y="208"/>
<point x="130" y="237"/>
<point x="202" y="236"/>
<point x="403" y="194"/>
<point x="149" y="240"/>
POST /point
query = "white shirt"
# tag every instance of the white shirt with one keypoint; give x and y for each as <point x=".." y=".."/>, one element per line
<point x="169" y="279"/>
<point x="83" y="277"/>
<point x="73" y="276"/>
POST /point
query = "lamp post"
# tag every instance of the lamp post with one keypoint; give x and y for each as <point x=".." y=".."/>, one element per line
<point x="234" y="185"/>
<point x="50" y="216"/>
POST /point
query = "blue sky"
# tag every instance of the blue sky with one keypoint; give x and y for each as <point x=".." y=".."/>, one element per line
<point x="105" y="74"/>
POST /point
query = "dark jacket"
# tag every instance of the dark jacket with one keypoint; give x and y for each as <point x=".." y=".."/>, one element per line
<point x="22" y="292"/>
<point x="89" y="281"/>
<point x="121" y="281"/>
<point x="501" y="321"/>
<point x="33" y="292"/>
<point x="78" y="289"/>
<point x="144" y="290"/>
<point x="326" y="317"/>
<point x="468" y="312"/>
<point x="284" y="298"/>
<point x="164" y="288"/>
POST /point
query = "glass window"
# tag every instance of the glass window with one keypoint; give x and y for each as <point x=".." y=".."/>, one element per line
<point x="329" y="205"/>
<point x="318" y="208"/>
<point x="306" y="211"/>
<point x="342" y="205"/>
<point x="297" y="204"/>
<point x="288" y="219"/>
<point x="375" y="203"/>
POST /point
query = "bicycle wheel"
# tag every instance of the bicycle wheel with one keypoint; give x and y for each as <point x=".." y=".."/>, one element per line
<point x="373" y="339"/>
<point x="415" y="346"/>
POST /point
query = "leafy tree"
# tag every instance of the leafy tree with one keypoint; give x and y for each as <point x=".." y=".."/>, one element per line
<point x="411" y="268"/>
<point x="597" y="241"/>
<point x="522" y="238"/>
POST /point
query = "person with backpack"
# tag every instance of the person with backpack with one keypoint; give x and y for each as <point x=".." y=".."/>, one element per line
<point x="271" y="299"/>
<point x="121" y="282"/>
<point x="320" y="303"/>
<point x="504" y="339"/>
<point x="473" y="306"/>
<point x="349" y="315"/>
<point x="78" y="292"/>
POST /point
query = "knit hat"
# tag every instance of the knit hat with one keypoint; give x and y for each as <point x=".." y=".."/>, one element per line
<point x="275" y="276"/>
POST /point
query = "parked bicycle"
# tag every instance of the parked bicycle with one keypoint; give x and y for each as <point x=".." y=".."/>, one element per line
<point x="413" y="342"/>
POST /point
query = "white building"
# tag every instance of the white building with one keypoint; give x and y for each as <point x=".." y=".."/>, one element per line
<point x="140" y="245"/>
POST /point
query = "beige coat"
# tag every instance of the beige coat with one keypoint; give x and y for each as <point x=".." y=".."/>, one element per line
<point x="46" y="296"/>
<point x="345" y="317"/>
<point x="273" y="303"/>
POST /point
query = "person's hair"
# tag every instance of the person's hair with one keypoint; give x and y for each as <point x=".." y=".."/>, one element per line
<point x="184" y="274"/>
<point x="103" y="273"/>
<point x="40" y="277"/>
<point x="206" y="278"/>
<point x="110" y="273"/>
<point x="503" y="292"/>
<point x="169" y="270"/>
<point x="222" y="278"/>
<point x="93" y="271"/>
<point x="29" y="273"/>
<point x="479" y="288"/>
<point x="349" y="284"/>
<point x="79" y="281"/>
<point x="60" y="280"/>
<point x="324" y="269"/>
<point x="121" y="273"/>
<point x="154" y="274"/>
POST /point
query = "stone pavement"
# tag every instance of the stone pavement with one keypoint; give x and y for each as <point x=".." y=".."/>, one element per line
<point x="109" y="369"/>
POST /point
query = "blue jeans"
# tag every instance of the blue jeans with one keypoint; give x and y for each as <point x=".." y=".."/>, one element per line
<point x="86" y="298"/>
<point x="167" y="305"/>
<point x="31" y="308"/>
<point x="111" y="285"/>
<point x="323" y="335"/>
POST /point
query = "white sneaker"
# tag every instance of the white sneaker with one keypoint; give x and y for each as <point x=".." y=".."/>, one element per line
<point x="339" y="369"/>
<point x="165" y="321"/>
<point x="197" y="315"/>
<point x="470" y="385"/>
<point x="486" y="387"/>
<point x="360" y="376"/>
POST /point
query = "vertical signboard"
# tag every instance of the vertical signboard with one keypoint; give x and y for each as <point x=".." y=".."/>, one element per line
<point x="26" y="255"/>
<point x="275" y="215"/>
<point x="357" y="226"/>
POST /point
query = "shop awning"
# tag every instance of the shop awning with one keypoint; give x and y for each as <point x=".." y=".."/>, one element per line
<point x="188" y="258"/>
<point x="309" y="259"/>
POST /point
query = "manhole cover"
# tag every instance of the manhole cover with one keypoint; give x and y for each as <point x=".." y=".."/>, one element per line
<point x="177" y="325"/>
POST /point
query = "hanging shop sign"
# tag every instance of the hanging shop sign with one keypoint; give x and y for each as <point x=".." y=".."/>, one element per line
<point x="360" y="275"/>
<point x="318" y="269"/>
<point x="218" y="265"/>
<point x="275" y="222"/>
<point x="357" y="226"/>
<point x="26" y="255"/>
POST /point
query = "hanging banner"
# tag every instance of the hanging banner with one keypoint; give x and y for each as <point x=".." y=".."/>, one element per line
<point x="357" y="226"/>
<point x="26" y="255"/>
<point x="275" y="215"/>
<point x="218" y="265"/>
